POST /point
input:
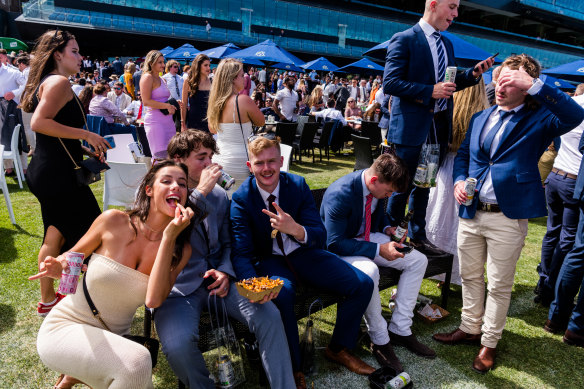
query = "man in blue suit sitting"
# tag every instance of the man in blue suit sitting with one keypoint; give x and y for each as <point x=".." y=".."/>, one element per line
<point x="209" y="272"/>
<point x="501" y="150"/>
<point x="358" y="230"/>
<point x="276" y="231"/>
<point x="421" y="108"/>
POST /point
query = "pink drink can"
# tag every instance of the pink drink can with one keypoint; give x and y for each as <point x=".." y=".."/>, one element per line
<point x="69" y="280"/>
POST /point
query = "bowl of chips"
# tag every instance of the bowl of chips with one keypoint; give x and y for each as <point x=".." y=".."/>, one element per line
<point x="256" y="288"/>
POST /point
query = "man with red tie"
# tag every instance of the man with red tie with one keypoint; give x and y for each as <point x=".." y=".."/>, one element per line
<point x="358" y="231"/>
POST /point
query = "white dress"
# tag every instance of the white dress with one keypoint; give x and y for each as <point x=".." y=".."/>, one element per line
<point x="232" y="145"/>
<point x="442" y="215"/>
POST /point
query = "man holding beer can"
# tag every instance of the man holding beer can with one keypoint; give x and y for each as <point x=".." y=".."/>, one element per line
<point x="501" y="150"/>
<point x="420" y="76"/>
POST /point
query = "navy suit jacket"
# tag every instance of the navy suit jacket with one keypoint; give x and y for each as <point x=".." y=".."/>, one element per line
<point x="410" y="78"/>
<point x="342" y="214"/>
<point x="250" y="227"/>
<point x="516" y="178"/>
<point x="217" y="254"/>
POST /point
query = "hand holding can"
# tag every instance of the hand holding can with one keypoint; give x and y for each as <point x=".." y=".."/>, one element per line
<point x="70" y="276"/>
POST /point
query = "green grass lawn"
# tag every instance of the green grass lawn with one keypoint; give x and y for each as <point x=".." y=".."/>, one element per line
<point x="528" y="356"/>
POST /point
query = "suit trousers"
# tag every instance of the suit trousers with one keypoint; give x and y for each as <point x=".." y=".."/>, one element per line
<point x="570" y="280"/>
<point x="177" y="324"/>
<point x="413" y="267"/>
<point x="562" y="223"/>
<point x="327" y="272"/>
<point x="494" y="239"/>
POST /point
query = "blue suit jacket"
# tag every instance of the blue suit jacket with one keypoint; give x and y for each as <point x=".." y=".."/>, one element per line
<point x="217" y="255"/>
<point x="410" y="78"/>
<point x="342" y="214"/>
<point x="250" y="227"/>
<point x="514" y="171"/>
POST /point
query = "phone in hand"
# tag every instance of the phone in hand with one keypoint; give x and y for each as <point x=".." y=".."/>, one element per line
<point x="110" y="139"/>
<point x="476" y="69"/>
<point x="406" y="249"/>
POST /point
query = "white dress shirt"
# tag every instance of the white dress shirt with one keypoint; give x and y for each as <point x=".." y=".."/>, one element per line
<point x="174" y="82"/>
<point x="569" y="157"/>
<point x="332" y="114"/>
<point x="288" y="99"/>
<point x="289" y="244"/>
<point x="11" y="79"/>
<point x="428" y="31"/>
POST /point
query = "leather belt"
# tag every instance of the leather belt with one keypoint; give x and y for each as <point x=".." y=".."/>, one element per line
<point x="564" y="174"/>
<point x="488" y="207"/>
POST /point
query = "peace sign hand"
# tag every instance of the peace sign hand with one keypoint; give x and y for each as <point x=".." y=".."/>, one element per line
<point x="284" y="223"/>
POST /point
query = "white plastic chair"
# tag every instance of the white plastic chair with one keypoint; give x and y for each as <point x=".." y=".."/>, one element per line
<point x="13" y="154"/>
<point x="286" y="152"/>
<point x="4" y="188"/>
<point x="121" y="153"/>
<point x="121" y="182"/>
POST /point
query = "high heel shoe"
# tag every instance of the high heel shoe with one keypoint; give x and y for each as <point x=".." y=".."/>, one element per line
<point x="57" y="384"/>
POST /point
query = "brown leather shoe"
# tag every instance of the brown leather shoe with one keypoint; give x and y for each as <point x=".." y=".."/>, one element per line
<point x="553" y="328"/>
<point x="300" y="380"/>
<point x="485" y="360"/>
<point x="351" y="362"/>
<point x="411" y="343"/>
<point x="457" y="336"/>
<point x="573" y="339"/>
<point x="386" y="357"/>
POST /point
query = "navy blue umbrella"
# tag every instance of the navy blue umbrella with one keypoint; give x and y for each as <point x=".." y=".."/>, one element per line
<point x="267" y="51"/>
<point x="573" y="71"/>
<point x="556" y="82"/>
<point x="363" y="66"/>
<point x="185" y="52"/>
<point x="287" y="66"/>
<point x="221" y="51"/>
<point x="465" y="53"/>
<point x="167" y="50"/>
<point x="320" y="64"/>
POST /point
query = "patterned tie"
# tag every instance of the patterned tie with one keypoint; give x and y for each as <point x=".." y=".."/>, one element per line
<point x="491" y="135"/>
<point x="367" y="231"/>
<point x="441" y="66"/>
<point x="279" y="240"/>
<point x="176" y="86"/>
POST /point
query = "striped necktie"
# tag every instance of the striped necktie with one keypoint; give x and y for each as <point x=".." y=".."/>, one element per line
<point x="441" y="66"/>
<point x="367" y="231"/>
<point x="176" y="86"/>
<point x="491" y="135"/>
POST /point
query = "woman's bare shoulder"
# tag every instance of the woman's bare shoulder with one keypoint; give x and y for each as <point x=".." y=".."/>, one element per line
<point x="114" y="217"/>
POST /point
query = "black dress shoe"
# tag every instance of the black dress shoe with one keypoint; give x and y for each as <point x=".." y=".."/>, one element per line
<point x="426" y="247"/>
<point x="573" y="339"/>
<point x="553" y="328"/>
<point x="411" y="343"/>
<point x="386" y="357"/>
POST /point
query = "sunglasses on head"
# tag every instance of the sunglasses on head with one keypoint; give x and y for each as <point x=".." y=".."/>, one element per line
<point x="267" y="135"/>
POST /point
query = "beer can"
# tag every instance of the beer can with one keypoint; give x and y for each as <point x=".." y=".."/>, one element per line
<point x="470" y="185"/>
<point x="420" y="177"/>
<point x="70" y="278"/>
<point x="225" y="180"/>
<point x="226" y="372"/>
<point x="399" y="381"/>
<point x="432" y="174"/>
<point x="450" y="75"/>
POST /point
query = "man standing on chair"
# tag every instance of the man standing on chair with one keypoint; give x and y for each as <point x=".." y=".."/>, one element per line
<point x="277" y="232"/>
<point x="501" y="150"/>
<point x="421" y="109"/>
<point x="358" y="231"/>
<point x="209" y="272"/>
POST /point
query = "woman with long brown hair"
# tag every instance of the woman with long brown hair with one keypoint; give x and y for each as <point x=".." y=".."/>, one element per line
<point x="442" y="212"/>
<point x="155" y="94"/>
<point x="136" y="257"/>
<point x="230" y="116"/>
<point x="195" y="95"/>
<point x="58" y="118"/>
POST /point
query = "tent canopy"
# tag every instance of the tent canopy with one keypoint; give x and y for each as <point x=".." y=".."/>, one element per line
<point x="266" y="51"/>
<point x="12" y="44"/>
<point x="573" y="71"/>
<point x="320" y="64"/>
<point x="363" y="66"/>
<point x="166" y="50"/>
<point x="221" y="51"/>
<point x="185" y="52"/>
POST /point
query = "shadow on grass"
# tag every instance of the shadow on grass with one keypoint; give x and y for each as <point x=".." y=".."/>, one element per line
<point x="7" y="317"/>
<point x="7" y="242"/>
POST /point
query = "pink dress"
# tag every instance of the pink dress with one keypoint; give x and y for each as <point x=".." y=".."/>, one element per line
<point x="158" y="126"/>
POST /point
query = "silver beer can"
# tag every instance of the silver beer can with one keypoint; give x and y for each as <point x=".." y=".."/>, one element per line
<point x="225" y="180"/>
<point x="450" y="75"/>
<point x="420" y="177"/>
<point x="470" y="185"/>
<point x="399" y="381"/>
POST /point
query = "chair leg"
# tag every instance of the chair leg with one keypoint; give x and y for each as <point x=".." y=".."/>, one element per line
<point x="18" y="168"/>
<point x="313" y="155"/>
<point x="8" y="202"/>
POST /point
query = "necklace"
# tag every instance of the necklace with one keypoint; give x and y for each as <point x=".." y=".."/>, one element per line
<point x="152" y="230"/>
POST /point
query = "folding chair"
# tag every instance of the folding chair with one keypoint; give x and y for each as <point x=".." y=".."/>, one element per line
<point x="121" y="182"/>
<point x="4" y="187"/>
<point x="13" y="154"/>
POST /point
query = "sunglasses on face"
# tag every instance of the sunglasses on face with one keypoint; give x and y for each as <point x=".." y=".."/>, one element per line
<point x="118" y="88"/>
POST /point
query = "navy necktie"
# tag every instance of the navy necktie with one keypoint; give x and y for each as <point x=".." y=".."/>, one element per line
<point x="491" y="135"/>
<point x="441" y="66"/>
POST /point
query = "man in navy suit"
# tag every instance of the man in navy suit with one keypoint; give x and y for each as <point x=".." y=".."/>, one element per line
<point x="421" y="109"/>
<point x="358" y="231"/>
<point x="208" y="272"/>
<point x="276" y="231"/>
<point x="501" y="150"/>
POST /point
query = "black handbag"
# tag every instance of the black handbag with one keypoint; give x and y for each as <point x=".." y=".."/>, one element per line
<point x="88" y="170"/>
<point x="172" y="102"/>
<point x="151" y="344"/>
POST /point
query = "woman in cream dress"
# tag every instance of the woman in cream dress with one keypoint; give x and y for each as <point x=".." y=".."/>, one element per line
<point x="135" y="259"/>
<point x="224" y="120"/>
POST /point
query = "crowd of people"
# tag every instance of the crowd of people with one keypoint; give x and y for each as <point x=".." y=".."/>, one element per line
<point x="187" y="238"/>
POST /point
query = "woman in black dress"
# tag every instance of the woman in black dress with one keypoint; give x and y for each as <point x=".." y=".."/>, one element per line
<point x="195" y="95"/>
<point x="58" y="116"/>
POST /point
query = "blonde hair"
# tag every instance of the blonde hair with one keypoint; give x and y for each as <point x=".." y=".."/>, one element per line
<point x="260" y="144"/>
<point x="315" y="96"/>
<point x="222" y="90"/>
<point x="466" y="102"/>
<point x="150" y="60"/>
<point x="169" y="64"/>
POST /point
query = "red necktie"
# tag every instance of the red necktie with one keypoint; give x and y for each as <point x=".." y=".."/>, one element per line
<point x="139" y="112"/>
<point x="369" y="198"/>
